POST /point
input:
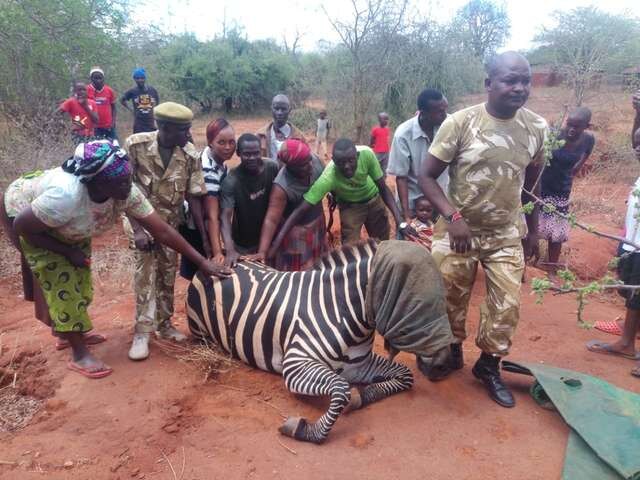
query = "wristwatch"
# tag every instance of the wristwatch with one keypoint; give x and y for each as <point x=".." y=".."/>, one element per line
<point x="403" y="225"/>
<point x="454" y="217"/>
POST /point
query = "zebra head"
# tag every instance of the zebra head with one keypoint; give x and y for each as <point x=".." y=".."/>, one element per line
<point x="406" y="304"/>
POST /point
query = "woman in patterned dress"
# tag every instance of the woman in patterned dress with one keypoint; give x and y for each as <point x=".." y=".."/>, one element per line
<point x="50" y="218"/>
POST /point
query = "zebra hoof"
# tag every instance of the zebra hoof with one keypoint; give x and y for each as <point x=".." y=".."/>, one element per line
<point x="355" y="402"/>
<point x="293" y="427"/>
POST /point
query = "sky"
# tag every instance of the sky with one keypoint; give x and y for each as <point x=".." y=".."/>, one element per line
<point x="280" y="19"/>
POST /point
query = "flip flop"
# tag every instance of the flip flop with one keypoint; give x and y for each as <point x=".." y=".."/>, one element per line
<point x="88" y="373"/>
<point x="608" y="327"/>
<point x="91" y="339"/>
<point x="611" y="327"/>
<point x="597" y="346"/>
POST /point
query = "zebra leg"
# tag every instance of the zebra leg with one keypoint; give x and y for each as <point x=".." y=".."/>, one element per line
<point x="382" y="378"/>
<point x="310" y="377"/>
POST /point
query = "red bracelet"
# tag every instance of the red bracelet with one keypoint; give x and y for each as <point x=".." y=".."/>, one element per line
<point x="454" y="217"/>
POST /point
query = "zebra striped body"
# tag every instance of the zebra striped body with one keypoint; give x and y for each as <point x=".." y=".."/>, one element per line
<point x="310" y="326"/>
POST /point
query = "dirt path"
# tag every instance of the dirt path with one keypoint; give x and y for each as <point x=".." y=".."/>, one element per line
<point x="228" y="429"/>
<point x="157" y="419"/>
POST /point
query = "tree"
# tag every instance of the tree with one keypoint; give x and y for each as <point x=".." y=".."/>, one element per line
<point x="228" y="71"/>
<point x="369" y="41"/>
<point x="586" y="42"/>
<point x="45" y="44"/>
<point x="483" y="27"/>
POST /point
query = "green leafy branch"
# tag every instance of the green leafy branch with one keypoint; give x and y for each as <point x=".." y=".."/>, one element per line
<point x="542" y="285"/>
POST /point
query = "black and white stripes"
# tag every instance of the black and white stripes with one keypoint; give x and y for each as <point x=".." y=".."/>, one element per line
<point x="310" y="326"/>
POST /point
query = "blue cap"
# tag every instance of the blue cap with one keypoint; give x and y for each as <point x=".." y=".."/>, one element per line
<point x="139" y="72"/>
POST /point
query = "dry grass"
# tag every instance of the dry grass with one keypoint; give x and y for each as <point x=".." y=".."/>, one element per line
<point x="208" y="358"/>
<point x="611" y="171"/>
<point x="113" y="263"/>
<point x="16" y="410"/>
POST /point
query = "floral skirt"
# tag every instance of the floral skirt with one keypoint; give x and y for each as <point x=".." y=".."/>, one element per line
<point x="553" y="227"/>
<point x="67" y="290"/>
<point x="302" y="246"/>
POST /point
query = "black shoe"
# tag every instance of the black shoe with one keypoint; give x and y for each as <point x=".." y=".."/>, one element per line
<point x="487" y="370"/>
<point x="456" y="362"/>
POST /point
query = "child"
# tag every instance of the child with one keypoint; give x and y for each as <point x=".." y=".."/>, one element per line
<point x="557" y="180"/>
<point x="105" y="100"/>
<point x="379" y="140"/>
<point x="423" y="223"/>
<point x="322" y="133"/>
<point x="83" y="113"/>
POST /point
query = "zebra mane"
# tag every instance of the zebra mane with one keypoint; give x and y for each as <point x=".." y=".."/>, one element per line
<point x="336" y="254"/>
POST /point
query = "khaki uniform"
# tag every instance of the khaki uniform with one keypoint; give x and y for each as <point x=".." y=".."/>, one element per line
<point x="487" y="160"/>
<point x="155" y="271"/>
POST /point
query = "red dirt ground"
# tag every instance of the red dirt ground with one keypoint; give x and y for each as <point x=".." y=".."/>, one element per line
<point x="157" y="419"/>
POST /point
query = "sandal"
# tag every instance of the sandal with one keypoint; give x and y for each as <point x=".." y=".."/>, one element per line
<point x="611" y="327"/>
<point x="90" y="339"/>
<point x="597" y="346"/>
<point x="89" y="373"/>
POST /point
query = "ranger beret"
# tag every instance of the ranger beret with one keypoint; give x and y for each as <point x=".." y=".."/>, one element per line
<point x="173" y="112"/>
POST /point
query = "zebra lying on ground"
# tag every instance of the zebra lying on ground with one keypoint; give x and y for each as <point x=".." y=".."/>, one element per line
<point x="315" y="329"/>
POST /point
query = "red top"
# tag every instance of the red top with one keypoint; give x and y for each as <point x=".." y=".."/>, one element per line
<point x="380" y="137"/>
<point x="104" y="99"/>
<point x="79" y="116"/>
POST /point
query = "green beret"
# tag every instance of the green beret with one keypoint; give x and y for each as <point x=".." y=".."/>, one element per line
<point x="173" y="112"/>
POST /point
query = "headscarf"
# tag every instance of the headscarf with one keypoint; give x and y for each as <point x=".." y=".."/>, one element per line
<point x="294" y="152"/>
<point x="98" y="160"/>
<point x="139" y="72"/>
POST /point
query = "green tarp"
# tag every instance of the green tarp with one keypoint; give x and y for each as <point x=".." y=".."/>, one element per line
<point x="604" y="442"/>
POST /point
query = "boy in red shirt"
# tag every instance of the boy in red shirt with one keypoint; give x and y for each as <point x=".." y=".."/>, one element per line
<point x="105" y="99"/>
<point x="379" y="141"/>
<point x="83" y="113"/>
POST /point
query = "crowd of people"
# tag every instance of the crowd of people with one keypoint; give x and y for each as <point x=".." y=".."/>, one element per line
<point x="461" y="180"/>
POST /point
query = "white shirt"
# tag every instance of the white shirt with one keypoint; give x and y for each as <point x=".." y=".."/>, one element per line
<point x="631" y="224"/>
<point x="60" y="201"/>
<point x="408" y="151"/>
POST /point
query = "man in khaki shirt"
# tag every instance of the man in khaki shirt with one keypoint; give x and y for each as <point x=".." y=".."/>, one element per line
<point x="167" y="169"/>
<point x="274" y="133"/>
<point x="492" y="150"/>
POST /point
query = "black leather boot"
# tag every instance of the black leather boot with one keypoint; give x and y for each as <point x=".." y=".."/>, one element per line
<point x="487" y="370"/>
<point x="456" y="362"/>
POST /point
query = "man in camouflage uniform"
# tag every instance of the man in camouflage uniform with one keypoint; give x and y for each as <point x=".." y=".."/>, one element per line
<point x="492" y="151"/>
<point x="166" y="167"/>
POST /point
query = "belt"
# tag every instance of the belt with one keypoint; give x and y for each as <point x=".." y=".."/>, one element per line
<point x="358" y="203"/>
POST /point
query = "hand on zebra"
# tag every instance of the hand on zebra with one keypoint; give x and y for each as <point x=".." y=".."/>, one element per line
<point x="231" y="259"/>
<point x="255" y="257"/>
<point x="215" y="269"/>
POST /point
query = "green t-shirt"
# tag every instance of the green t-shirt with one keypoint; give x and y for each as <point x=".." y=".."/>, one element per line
<point x="357" y="189"/>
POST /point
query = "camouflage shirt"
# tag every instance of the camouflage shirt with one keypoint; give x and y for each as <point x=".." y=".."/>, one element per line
<point x="487" y="160"/>
<point x="165" y="188"/>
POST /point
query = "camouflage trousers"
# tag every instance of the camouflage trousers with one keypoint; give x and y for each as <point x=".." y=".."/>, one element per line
<point x="154" y="278"/>
<point x="499" y="313"/>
